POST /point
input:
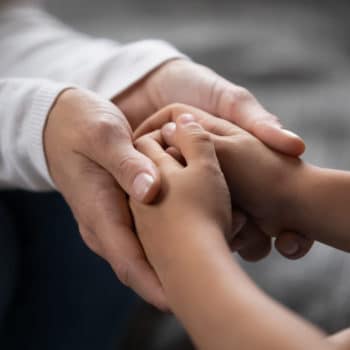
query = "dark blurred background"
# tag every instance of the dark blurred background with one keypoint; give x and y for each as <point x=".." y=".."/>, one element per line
<point x="295" y="57"/>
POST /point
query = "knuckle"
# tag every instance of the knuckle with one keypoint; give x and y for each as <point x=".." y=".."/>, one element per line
<point x="126" y="166"/>
<point x="198" y="135"/>
<point x="237" y="96"/>
<point x="202" y="135"/>
<point x="107" y="127"/>
<point x="104" y="131"/>
<point x="209" y="167"/>
<point x="242" y="94"/>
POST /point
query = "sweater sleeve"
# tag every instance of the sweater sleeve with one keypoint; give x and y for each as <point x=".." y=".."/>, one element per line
<point x="40" y="57"/>
<point x="35" y="45"/>
<point x="24" y="106"/>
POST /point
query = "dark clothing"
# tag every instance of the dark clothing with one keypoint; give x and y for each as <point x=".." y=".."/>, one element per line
<point x="55" y="293"/>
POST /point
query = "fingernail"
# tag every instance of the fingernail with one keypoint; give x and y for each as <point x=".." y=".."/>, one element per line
<point x="290" y="133"/>
<point x="185" y="118"/>
<point x="168" y="129"/>
<point x="239" y="220"/>
<point x="142" y="184"/>
<point x="290" y="248"/>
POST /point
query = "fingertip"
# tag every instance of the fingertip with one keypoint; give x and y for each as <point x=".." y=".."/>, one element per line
<point x="254" y="244"/>
<point x="279" y="139"/>
<point x="168" y="132"/>
<point x="255" y="253"/>
<point x="168" y="129"/>
<point x="185" y="118"/>
<point x="296" y="145"/>
<point x="146" y="187"/>
<point x="292" y="245"/>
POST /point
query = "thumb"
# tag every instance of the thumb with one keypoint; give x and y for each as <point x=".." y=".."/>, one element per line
<point x="193" y="141"/>
<point x="135" y="173"/>
<point x="112" y="148"/>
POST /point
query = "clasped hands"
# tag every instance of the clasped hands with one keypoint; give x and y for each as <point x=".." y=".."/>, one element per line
<point x="257" y="182"/>
<point x="94" y="163"/>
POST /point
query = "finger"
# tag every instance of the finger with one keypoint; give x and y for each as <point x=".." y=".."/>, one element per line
<point x="193" y="141"/>
<point x="151" y="148"/>
<point x="279" y="139"/>
<point x="292" y="245"/>
<point x="253" y="244"/>
<point x="110" y="145"/>
<point x="275" y="137"/>
<point x="239" y="106"/>
<point x="101" y="209"/>
<point x="175" y="153"/>
<point x="170" y="113"/>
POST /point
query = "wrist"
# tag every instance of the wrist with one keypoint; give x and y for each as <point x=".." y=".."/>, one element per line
<point x="187" y="246"/>
<point x="298" y="194"/>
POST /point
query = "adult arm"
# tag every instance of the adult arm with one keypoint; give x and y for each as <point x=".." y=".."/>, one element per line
<point x="34" y="44"/>
<point x="24" y="106"/>
<point x="38" y="119"/>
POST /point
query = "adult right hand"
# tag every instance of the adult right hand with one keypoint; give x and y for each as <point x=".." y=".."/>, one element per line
<point x="92" y="161"/>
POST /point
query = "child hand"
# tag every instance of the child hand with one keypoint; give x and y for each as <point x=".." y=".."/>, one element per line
<point x="193" y="196"/>
<point x="258" y="177"/>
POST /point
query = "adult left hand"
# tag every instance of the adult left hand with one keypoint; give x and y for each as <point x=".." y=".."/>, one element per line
<point x="183" y="81"/>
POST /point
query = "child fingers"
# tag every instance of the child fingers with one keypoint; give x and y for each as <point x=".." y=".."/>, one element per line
<point x="166" y="115"/>
<point x="169" y="134"/>
<point x="251" y="243"/>
<point x="170" y="113"/>
<point x="194" y="142"/>
<point x="175" y="153"/>
<point x="151" y="147"/>
<point x="293" y="245"/>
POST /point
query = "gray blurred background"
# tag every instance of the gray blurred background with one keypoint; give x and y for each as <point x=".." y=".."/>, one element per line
<point x="295" y="57"/>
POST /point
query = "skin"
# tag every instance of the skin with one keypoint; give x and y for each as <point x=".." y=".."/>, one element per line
<point x="282" y="197"/>
<point x="183" y="234"/>
<point x="236" y="146"/>
<point x="93" y="162"/>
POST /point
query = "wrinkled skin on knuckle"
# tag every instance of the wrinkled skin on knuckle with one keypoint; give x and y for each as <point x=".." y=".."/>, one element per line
<point x="208" y="167"/>
<point x="198" y="135"/>
<point x="103" y="132"/>
<point x="234" y="98"/>
<point x="124" y="167"/>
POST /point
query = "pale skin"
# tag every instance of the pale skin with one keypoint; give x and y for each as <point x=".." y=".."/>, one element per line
<point x="184" y="232"/>
<point x="93" y="162"/>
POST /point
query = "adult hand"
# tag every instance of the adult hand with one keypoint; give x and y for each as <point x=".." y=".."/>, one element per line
<point x="92" y="161"/>
<point x="182" y="81"/>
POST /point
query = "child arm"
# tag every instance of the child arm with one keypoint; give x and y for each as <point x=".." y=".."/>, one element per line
<point x="183" y="237"/>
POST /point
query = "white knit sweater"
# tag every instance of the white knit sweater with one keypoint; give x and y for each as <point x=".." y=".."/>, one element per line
<point x="39" y="58"/>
